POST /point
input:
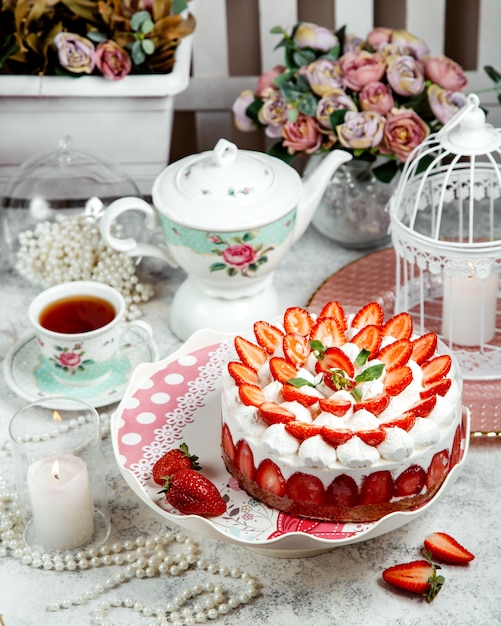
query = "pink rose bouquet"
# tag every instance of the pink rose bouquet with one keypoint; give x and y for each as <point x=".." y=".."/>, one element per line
<point x="380" y="96"/>
<point x="108" y="38"/>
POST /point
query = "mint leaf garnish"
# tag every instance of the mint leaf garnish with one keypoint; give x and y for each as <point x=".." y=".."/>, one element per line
<point x="362" y="357"/>
<point x="371" y="373"/>
<point x="300" y="382"/>
<point x="318" y="348"/>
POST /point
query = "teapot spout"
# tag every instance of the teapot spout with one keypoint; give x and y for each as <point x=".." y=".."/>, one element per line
<point x="314" y="186"/>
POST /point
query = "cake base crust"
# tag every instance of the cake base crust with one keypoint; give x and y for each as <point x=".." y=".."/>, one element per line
<point x="330" y="512"/>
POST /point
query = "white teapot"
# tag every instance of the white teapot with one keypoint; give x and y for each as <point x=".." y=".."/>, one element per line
<point x="228" y="217"/>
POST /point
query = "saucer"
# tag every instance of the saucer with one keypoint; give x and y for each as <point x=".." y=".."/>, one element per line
<point x="30" y="378"/>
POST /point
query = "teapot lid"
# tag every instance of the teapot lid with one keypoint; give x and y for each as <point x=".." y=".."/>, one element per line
<point x="226" y="189"/>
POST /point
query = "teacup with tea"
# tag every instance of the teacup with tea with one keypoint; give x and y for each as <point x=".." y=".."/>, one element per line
<point x="82" y="332"/>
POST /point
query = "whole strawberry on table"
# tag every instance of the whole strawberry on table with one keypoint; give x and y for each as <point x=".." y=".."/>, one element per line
<point x="185" y="488"/>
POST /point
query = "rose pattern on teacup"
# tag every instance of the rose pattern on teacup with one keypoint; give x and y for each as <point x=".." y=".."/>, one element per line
<point x="70" y="360"/>
<point x="239" y="256"/>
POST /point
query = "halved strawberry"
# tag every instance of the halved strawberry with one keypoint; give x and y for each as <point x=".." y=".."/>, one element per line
<point x="438" y="469"/>
<point x="445" y="548"/>
<point x="422" y="408"/>
<point x="405" y="421"/>
<point x="371" y="313"/>
<point x="296" y="348"/>
<point x="305" y="489"/>
<point x="334" y="358"/>
<point x="251" y="354"/>
<point x="336" y="437"/>
<point x="417" y="576"/>
<point x="251" y="395"/>
<point x="336" y="407"/>
<point x="438" y="387"/>
<point x="396" y="354"/>
<point x="372" y="437"/>
<point x="342" y="491"/>
<point x="399" y="326"/>
<point x="377" y="488"/>
<point x="268" y="336"/>
<point x="435" y="368"/>
<point x="456" y="449"/>
<point x="245" y="459"/>
<point x="242" y="373"/>
<point x="328" y="331"/>
<point x="298" y="320"/>
<point x="368" y="338"/>
<point x="273" y="413"/>
<point x="302" y="430"/>
<point x="227" y="443"/>
<point x="334" y="309"/>
<point x="337" y="380"/>
<point x="397" y="380"/>
<point x="281" y="369"/>
<point x="270" y="478"/>
<point x="376" y="405"/>
<point x="294" y="394"/>
<point x="424" y="347"/>
<point x="410" y="482"/>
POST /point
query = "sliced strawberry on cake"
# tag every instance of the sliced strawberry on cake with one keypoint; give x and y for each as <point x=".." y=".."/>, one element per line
<point x="251" y="354"/>
<point x="399" y="326"/>
<point x="369" y="314"/>
<point x="298" y="321"/>
<point x="268" y="336"/>
<point x="334" y="309"/>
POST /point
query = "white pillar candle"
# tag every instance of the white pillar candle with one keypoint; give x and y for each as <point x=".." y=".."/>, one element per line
<point x="469" y="309"/>
<point x="61" y="502"/>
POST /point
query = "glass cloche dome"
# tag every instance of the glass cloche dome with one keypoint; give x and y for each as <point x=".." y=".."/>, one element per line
<point x="64" y="182"/>
<point x="50" y="211"/>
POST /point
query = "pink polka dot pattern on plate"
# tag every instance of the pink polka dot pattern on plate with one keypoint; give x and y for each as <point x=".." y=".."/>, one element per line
<point x="160" y="408"/>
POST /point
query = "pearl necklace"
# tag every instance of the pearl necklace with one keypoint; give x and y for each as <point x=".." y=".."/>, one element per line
<point x="169" y="554"/>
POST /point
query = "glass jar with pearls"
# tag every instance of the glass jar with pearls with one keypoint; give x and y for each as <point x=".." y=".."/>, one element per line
<point x="50" y="211"/>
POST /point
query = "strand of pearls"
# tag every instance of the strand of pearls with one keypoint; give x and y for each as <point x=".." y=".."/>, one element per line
<point x="71" y="248"/>
<point x="104" y="430"/>
<point x="170" y="554"/>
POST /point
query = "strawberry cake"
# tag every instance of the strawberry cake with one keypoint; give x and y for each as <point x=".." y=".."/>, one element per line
<point x="341" y="417"/>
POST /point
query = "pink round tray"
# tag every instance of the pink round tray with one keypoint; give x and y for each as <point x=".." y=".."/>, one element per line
<point x="357" y="283"/>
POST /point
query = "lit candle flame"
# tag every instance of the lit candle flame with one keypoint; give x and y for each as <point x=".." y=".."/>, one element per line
<point x="56" y="417"/>
<point x="55" y="469"/>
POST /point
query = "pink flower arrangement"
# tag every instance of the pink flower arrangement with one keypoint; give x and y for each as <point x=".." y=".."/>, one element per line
<point x="381" y="96"/>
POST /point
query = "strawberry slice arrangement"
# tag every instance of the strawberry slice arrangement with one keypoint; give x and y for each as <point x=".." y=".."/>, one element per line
<point x="420" y="576"/>
<point x="185" y="488"/>
<point x="385" y="349"/>
<point x="338" y="367"/>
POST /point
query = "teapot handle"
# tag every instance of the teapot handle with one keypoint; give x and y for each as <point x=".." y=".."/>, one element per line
<point x="130" y="246"/>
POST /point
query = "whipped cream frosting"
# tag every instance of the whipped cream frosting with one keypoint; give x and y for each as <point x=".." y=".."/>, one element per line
<point x="315" y="452"/>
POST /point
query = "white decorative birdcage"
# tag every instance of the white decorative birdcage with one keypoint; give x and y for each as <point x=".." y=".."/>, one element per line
<point x="446" y="231"/>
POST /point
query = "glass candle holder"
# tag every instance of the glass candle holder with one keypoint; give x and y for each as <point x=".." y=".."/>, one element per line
<point x="59" y="474"/>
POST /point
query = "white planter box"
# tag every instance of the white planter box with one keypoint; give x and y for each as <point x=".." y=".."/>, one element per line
<point x="128" y="122"/>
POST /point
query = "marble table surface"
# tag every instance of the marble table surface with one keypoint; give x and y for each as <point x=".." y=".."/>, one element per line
<point x="340" y="586"/>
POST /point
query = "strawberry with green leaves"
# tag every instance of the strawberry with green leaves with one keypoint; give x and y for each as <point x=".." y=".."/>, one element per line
<point x="173" y="461"/>
<point x="192" y="493"/>
<point x="418" y="577"/>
